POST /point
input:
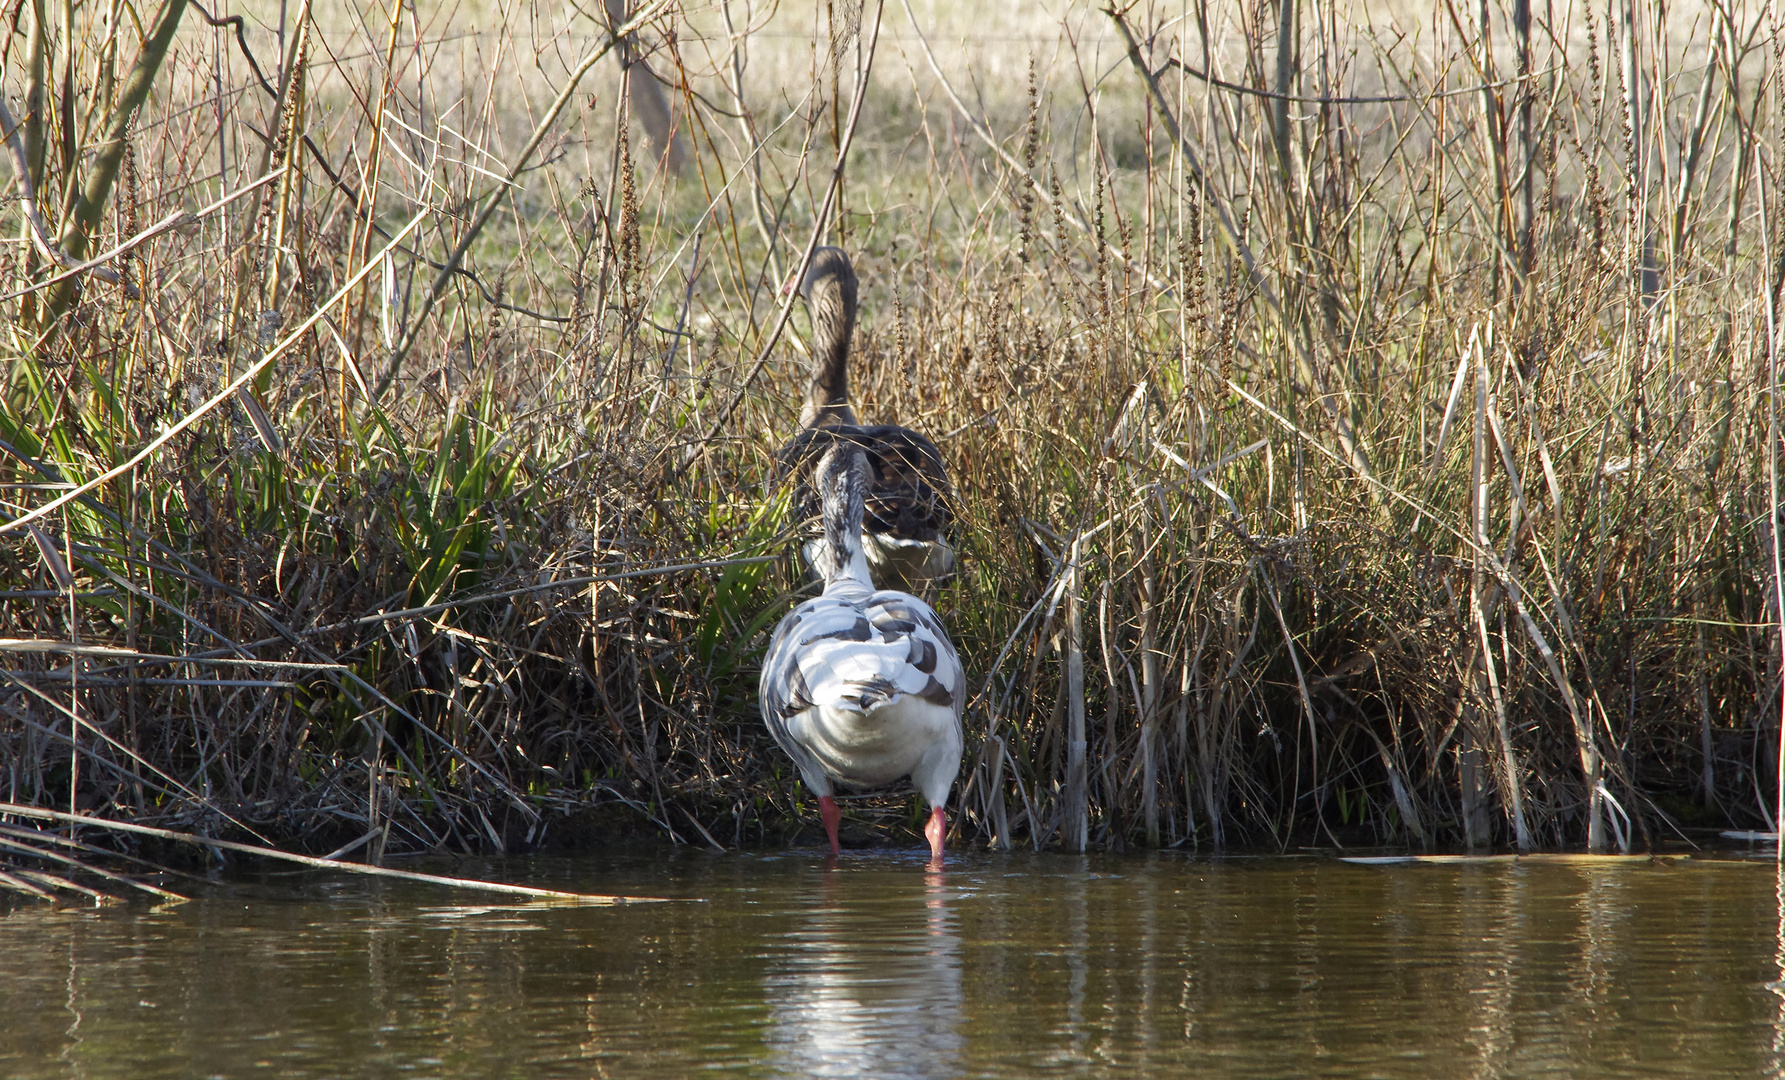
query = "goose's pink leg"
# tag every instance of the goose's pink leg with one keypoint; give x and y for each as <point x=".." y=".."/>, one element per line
<point x="935" y="831"/>
<point x="827" y="809"/>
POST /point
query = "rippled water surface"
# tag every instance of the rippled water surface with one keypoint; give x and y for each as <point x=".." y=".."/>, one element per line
<point x="1004" y="966"/>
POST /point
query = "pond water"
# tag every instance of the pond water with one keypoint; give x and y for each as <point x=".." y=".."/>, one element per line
<point x="1019" y="965"/>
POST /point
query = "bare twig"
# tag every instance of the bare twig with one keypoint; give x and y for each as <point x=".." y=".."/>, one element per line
<point x="323" y="864"/>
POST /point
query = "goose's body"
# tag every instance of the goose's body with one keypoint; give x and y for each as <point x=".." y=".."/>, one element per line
<point x="906" y="524"/>
<point x="862" y="686"/>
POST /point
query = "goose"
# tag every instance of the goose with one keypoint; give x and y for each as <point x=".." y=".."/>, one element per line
<point x="862" y="686"/>
<point x="906" y="518"/>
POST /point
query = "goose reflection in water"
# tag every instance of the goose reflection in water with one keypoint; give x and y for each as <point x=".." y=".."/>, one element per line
<point x="871" y="983"/>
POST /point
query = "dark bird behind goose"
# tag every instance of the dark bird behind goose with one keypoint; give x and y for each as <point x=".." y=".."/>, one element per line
<point x="905" y="525"/>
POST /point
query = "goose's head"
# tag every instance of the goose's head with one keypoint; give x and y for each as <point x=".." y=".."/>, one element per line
<point x="842" y="479"/>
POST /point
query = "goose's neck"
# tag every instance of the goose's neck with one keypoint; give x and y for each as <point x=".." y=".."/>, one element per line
<point x="848" y="567"/>
<point x="833" y="324"/>
<point x="845" y="560"/>
<point x="853" y="578"/>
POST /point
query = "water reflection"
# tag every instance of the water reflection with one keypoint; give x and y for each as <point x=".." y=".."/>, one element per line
<point x="1777" y="986"/>
<point x="1007" y="966"/>
<point x="871" y="983"/>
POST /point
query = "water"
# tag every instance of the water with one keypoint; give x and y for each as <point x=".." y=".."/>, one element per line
<point x="1005" y="966"/>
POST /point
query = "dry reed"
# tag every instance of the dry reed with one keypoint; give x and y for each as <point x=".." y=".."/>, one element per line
<point x="1362" y="429"/>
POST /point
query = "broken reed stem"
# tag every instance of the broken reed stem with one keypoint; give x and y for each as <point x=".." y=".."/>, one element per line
<point x="1510" y="781"/>
<point x="1149" y="667"/>
<point x="1075" y="818"/>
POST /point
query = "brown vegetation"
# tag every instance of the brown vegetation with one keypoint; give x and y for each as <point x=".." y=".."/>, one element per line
<point x="1361" y="433"/>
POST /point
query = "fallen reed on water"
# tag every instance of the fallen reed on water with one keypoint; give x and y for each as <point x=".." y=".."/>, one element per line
<point x="1361" y="433"/>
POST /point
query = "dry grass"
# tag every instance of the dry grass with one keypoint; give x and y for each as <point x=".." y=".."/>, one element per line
<point x="1395" y="471"/>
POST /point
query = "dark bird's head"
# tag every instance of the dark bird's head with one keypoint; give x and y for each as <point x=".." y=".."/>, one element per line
<point x="842" y="479"/>
<point x="829" y="289"/>
<point x="830" y="279"/>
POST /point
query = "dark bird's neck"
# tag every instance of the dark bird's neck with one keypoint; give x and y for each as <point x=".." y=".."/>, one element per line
<point x="833" y="325"/>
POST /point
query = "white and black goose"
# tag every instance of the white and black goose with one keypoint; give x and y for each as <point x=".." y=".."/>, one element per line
<point x="862" y="687"/>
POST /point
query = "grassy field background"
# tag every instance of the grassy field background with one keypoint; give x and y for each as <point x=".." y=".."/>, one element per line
<point x="1361" y="424"/>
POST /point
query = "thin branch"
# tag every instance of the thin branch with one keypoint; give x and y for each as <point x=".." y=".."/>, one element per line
<point x="39" y="228"/>
<point x="819" y="223"/>
<point x="493" y="198"/>
<point x="326" y="864"/>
